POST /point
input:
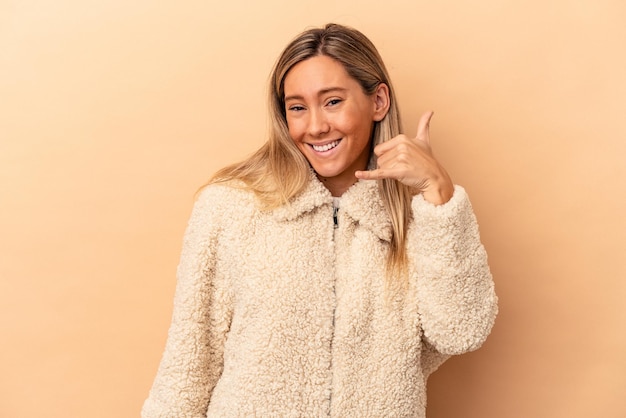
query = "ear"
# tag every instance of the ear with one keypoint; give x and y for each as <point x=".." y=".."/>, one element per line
<point x="381" y="102"/>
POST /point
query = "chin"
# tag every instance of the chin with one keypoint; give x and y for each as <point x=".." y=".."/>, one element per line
<point x="326" y="172"/>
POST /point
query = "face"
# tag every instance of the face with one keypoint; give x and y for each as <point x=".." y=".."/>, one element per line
<point x="330" y="119"/>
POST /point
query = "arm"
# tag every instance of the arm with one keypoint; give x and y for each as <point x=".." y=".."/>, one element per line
<point x="456" y="298"/>
<point x="193" y="358"/>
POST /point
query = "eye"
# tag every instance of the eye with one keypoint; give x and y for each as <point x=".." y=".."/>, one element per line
<point x="333" y="102"/>
<point x="295" y="108"/>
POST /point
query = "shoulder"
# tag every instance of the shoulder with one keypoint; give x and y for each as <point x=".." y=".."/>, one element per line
<point x="224" y="195"/>
<point x="218" y="204"/>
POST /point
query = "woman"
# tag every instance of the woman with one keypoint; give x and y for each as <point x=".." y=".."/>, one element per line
<point x="306" y="289"/>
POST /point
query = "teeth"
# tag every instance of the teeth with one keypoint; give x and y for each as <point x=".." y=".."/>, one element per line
<point x="321" y="148"/>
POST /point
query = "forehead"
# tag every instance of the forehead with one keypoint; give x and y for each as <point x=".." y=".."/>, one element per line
<point x="317" y="74"/>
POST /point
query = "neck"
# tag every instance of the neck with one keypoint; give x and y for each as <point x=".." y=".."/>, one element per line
<point x="337" y="187"/>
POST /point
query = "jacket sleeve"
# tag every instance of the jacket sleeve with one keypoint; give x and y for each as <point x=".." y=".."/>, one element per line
<point x="193" y="358"/>
<point x="457" y="303"/>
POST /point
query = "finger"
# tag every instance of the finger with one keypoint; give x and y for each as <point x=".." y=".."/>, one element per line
<point x="386" y="146"/>
<point x="423" y="127"/>
<point x="376" y="174"/>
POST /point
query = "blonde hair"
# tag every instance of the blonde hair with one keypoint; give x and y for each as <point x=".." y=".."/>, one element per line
<point x="278" y="170"/>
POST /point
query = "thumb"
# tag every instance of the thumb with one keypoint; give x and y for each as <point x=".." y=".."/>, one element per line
<point x="423" y="127"/>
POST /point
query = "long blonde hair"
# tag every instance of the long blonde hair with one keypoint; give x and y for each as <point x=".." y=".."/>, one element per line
<point x="278" y="170"/>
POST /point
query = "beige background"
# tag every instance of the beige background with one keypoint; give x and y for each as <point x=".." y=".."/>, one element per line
<point x="113" y="113"/>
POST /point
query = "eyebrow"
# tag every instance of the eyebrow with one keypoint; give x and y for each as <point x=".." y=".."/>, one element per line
<point x="320" y="93"/>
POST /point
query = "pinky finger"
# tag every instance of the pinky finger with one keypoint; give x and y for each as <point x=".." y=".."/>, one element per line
<point x="370" y="174"/>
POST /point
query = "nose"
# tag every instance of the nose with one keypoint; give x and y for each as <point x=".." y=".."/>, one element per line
<point x="318" y="124"/>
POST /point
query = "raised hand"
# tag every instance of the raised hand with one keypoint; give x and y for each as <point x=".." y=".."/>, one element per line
<point x="411" y="161"/>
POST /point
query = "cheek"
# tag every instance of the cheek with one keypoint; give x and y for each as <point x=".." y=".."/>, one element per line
<point x="295" y="128"/>
<point x="354" y="123"/>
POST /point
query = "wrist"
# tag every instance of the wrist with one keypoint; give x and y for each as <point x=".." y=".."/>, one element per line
<point x="439" y="192"/>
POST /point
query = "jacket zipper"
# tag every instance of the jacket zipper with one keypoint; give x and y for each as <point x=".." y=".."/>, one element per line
<point x="335" y="225"/>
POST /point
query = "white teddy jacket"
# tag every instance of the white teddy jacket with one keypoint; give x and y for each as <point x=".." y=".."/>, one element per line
<point x="279" y="314"/>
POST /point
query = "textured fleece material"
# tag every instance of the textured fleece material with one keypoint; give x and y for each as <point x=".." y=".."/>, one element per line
<point x="278" y="314"/>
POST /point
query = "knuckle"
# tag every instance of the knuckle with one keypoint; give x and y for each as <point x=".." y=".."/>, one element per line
<point x="403" y="158"/>
<point x="402" y="148"/>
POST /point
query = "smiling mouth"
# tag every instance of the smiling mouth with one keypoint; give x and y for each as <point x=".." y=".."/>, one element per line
<point x="327" y="147"/>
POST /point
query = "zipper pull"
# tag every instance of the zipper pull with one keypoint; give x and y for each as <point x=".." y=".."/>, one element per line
<point x="335" y="220"/>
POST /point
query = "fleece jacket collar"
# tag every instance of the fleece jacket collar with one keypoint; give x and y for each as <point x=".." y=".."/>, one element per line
<point x="360" y="204"/>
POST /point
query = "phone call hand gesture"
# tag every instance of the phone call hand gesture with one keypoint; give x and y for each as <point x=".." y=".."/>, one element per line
<point x="411" y="161"/>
